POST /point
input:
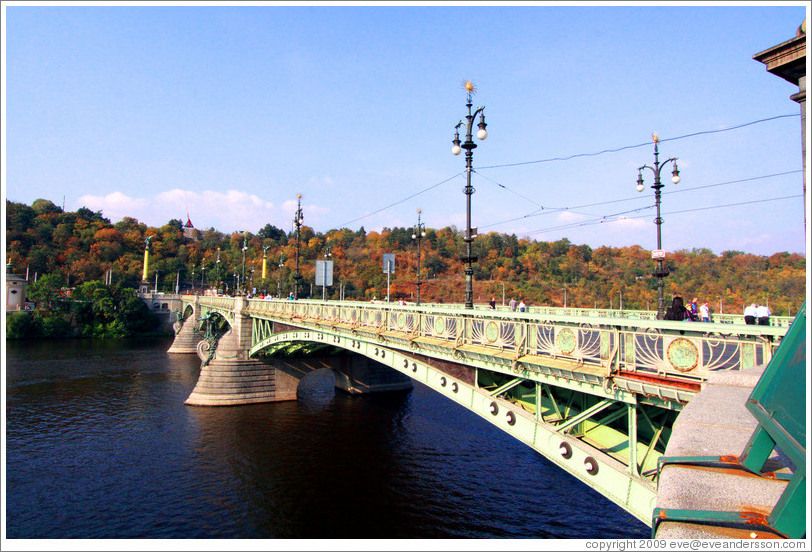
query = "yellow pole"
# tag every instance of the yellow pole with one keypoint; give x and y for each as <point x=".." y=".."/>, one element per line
<point x="146" y="263"/>
<point x="264" y="267"/>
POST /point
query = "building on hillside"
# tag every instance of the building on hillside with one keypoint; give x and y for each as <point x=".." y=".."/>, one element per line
<point x="15" y="290"/>
<point x="189" y="231"/>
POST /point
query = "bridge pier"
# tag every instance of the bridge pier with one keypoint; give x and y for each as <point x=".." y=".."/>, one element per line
<point x="229" y="377"/>
<point x="187" y="334"/>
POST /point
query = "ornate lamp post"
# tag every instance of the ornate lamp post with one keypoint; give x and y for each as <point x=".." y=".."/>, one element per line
<point x="660" y="272"/>
<point x="202" y="276"/>
<point x="419" y="232"/>
<point x="298" y="219"/>
<point x="469" y="146"/>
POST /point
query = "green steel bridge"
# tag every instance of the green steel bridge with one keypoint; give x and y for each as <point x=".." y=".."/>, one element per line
<point x="595" y="393"/>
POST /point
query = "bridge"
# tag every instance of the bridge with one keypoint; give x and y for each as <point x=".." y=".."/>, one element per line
<point x="596" y="395"/>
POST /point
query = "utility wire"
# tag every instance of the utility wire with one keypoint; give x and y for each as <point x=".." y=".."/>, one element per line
<point x="615" y="150"/>
<point x="602" y="220"/>
<point x="564" y="159"/>
<point x="672" y="191"/>
<point x="401" y="201"/>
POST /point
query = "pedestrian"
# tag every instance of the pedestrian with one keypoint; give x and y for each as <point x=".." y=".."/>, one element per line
<point x="763" y="313"/>
<point x="522" y="306"/>
<point x="693" y="309"/>
<point x="492" y="303"/>
<point x="677" y="310"/>
<point x="704" y="312"/>
<point x="750" y="314"/>
<point x="512" y="304"/>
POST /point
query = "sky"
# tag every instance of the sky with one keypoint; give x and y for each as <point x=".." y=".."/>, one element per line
<point x="228" y="112"/>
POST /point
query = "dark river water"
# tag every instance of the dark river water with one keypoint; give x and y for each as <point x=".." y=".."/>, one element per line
<point x="99" y="444"/>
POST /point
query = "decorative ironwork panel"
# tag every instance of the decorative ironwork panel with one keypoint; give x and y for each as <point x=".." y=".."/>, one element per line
<point x="581" y="343"/>
<point x="401" y="322"/>
<point x="494" y="333"/>
<point x="440" y="326"/>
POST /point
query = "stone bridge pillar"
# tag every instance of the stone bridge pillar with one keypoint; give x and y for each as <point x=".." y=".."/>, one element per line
<point x="187" y="332"/>
<point x="229" y="377"/>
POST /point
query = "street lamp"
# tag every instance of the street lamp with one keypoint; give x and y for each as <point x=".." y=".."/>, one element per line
<point x="418" y="233"/>
<point x="660" y="272"/>
<point x="244" y="249"/>
<point x="469" y="146"/>
<point x="279" y="282"/>
<point x="218" y="270"/>
<point x="202" y="276"/>
<point x="298" y="219"/>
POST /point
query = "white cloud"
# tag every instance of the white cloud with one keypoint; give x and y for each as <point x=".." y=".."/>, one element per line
<point x="228" y="211"/>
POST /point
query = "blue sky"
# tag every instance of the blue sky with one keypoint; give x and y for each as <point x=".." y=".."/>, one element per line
<point x="136" y="110"/>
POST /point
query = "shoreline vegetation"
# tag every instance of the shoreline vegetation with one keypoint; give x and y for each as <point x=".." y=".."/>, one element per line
<point x="65" y="256"/>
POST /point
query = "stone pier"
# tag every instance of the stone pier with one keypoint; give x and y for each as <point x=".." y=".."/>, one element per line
<point x="229" y="377"/>
<point x="187" y="335"/>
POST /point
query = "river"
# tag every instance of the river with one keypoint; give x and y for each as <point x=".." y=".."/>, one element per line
<point x="99" y="444"/>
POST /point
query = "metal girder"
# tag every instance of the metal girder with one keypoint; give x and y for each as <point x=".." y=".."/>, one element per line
<point x="588" y="413"/>
<point x="509" y="385"/>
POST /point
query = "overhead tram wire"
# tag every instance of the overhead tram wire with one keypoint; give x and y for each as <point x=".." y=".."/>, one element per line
<point x="602" y="220"/>
<point x="615" y="150"/>
<point x="637" y="198"/>
<point x="402" y="200"/>
<point x="569" y="158"/>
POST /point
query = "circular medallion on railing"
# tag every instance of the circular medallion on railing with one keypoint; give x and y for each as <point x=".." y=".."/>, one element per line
<point x="566" y="341"/>
<point x="682" y="354"/>
<point x="439" y="325"/>
<point x="401" y="320"/>
<point x="491" y="332"/>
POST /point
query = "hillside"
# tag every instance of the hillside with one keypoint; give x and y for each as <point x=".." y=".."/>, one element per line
<point x="83" y="246"/>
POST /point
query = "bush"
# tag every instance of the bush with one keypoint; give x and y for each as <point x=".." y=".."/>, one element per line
<point x="56" y="326"/>
<point x="22" y="325"/>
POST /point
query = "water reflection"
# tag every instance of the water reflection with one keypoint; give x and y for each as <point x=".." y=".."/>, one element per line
<point x="101" y="445"/>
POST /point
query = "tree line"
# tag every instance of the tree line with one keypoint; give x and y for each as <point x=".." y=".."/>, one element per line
<point x="83" y="246"/>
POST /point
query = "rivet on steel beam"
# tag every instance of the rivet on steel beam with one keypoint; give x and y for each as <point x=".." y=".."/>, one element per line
<point x="494" y="408"/>
<point x="511" y="418"/>
<point x="591" y="465"/>
<point x="443" y="381"/>
<point x="455" y="387"/>
<point x="566" y="450"/>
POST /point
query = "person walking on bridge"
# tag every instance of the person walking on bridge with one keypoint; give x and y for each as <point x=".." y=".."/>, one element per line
<point x="763" y="313"/>
<point x="704" y="312"/>
<point x="750" y="314"/>
<point x="512" y="304"/>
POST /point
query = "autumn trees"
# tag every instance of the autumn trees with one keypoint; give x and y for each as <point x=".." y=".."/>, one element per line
<point x="82" y="246"/>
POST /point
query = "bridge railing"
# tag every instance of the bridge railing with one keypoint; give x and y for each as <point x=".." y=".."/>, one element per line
<point x="678" y="350"/>
<point x="780" y="321"/>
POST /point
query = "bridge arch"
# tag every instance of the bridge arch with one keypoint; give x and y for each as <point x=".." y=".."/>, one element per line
<point x="458" y="383"/>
